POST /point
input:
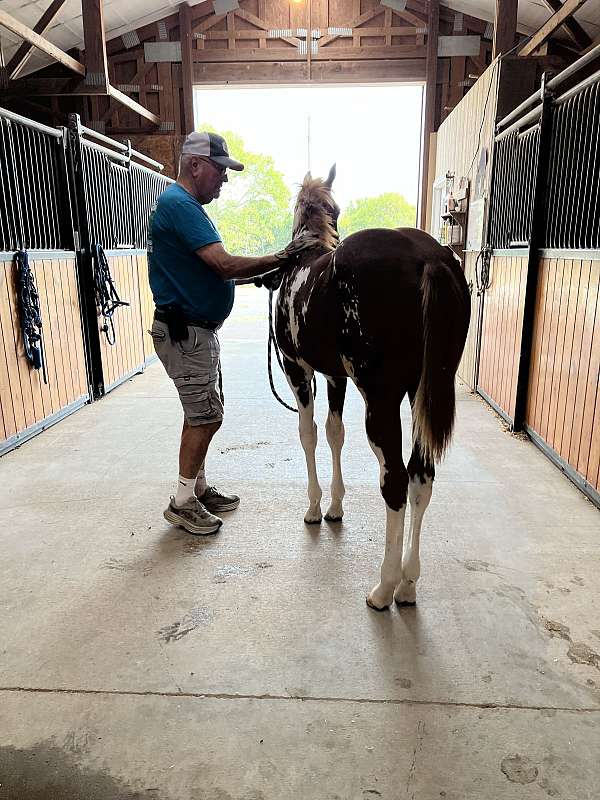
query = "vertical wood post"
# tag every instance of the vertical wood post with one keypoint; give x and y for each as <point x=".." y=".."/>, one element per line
<point x="505" y="26"/>
<point x="185" y="34"/>
<point x="433" y="25"/>
<point x="96" y="63"/>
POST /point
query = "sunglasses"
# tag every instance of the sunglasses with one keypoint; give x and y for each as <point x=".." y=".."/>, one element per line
<point x="221" y="170"/>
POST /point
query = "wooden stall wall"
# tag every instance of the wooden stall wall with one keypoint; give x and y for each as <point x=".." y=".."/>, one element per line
<point x="468" y="128"/>
<point x="563" y="406"/>
<point x="147" y="306"/>
<point x="501" y="328"/>
<point x="468" y="364"/>
<point x="27" y="404"/>
<point x="126" y="356"/>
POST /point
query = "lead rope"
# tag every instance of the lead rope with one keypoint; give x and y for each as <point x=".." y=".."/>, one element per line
<point x="107" y="298"/>
<point x="31" y="320"/>
<point x="273" y="344"/>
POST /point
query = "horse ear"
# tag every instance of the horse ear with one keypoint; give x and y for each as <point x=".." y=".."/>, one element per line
<point x="307" y="177"/>
<point x="331" y="176"/>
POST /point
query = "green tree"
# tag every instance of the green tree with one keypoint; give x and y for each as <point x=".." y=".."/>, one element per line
<point x="253" y="214"/>
<point x="389" y="210"/>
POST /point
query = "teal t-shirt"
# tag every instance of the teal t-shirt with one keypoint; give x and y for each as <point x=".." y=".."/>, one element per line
<point x="178" y="227"/>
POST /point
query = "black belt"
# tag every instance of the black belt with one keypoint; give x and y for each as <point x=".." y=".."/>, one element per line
<point x="162" y="316"/>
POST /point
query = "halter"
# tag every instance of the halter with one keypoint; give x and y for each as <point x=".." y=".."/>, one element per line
<point x="272" y="281"/>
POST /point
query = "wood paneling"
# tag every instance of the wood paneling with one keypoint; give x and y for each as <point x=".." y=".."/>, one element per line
<point x="466" y="368"/>
<point x="146" y="305"/>
<point x="501" y="329"/>
<point x="127" y="354"/>
<point x="459" y="138"/>
<point x="25" y="400"/>
<point x="457" y="147"/>
<point x="564" y="402"/>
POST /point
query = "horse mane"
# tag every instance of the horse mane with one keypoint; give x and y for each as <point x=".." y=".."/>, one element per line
<point x="312" y="204"/>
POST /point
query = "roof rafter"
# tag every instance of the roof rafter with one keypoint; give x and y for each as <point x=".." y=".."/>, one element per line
<point x="35" y="40"/>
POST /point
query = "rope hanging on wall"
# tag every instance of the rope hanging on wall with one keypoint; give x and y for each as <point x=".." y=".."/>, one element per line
<point x="107" y="298"/>
<point x="29" y="312"/>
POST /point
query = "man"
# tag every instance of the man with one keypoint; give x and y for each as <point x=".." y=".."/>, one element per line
<point x="192" y="280"/>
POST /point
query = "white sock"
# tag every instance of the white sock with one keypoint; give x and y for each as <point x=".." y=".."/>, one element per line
<point x="201" y="482"/>
<point x="185" y="490"/>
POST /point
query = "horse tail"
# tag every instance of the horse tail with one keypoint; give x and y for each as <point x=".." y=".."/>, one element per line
<point x="446" y="312"/>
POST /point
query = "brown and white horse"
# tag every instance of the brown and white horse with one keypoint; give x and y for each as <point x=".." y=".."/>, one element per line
<point x="390" y="310"/>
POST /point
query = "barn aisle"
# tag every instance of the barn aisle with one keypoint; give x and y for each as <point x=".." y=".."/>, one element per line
<point x="140" y="662"/>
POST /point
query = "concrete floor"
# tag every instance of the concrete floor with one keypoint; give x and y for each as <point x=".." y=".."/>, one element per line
<point x="137" y="661"/>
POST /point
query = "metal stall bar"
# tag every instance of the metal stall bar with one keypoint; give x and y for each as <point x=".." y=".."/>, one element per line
<point x="552" y="84"/>
<point x="115" y="194"/>
<point x="35" y="203"/>
<point x="85" y="270"/>
<point x="536" y="237"/>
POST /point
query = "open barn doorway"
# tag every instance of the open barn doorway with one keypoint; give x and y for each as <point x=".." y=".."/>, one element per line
<point x="372" y="133"/>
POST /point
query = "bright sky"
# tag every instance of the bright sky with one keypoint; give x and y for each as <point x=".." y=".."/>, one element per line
<point x="372" y="133"/>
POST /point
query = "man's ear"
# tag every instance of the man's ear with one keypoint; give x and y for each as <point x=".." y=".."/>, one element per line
<point x="331" y="176"/>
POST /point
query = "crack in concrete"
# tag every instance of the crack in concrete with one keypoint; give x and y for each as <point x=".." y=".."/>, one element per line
<point x="413" y="766"/>
<point x="400" y="701"/>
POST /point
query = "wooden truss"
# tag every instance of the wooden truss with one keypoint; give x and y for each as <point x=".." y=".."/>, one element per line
<point x="94" y="71"/>
<point x="266" y="41"/>
<point x="563" y="14"/>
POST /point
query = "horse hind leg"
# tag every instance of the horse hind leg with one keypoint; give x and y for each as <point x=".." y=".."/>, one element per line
<point x="384" y="432"/>
<point x="334" y="428"/>
<point x="421" y="473"/>
<point x="299" y="380"/>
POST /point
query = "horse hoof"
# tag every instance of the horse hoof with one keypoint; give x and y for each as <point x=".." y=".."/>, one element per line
<point x="373" y="606"/>
<point x="406" y="594"/>
<point x="405" y="603"/>
<point x="312" y="520"/>
<point x="331" y="518"/>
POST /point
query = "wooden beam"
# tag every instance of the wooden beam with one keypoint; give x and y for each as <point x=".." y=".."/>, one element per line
<point x="133" y="105"/>
<point x="277" y="72"/>
<point x="360" y="19"/>
<point x="505" y="26"/>
<point x="595" y="43"/>
<point x="185" y="34"/>
<point x="258" y="23"/>
<point x="168" y="97"/>
<point x="264" y="34"/>
<point x="8" y="21"/>
<point x="556" y="20"/>
<point x="433" y="26"/>
<point x="571" y="26"/>
<point x="18" y="61"/>
<point x="94" y="38"/>
<point x="368" y="53"/>
<point x="47" y="87"/>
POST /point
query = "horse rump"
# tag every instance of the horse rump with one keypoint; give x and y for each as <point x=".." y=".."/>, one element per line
<point x="446" y="313"/>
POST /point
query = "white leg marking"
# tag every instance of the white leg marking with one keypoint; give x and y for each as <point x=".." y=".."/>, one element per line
<point x="334" y="428"/>
<point x="419" y="495"/>
<point x="308" y="438"/>
<point x="382" y="595"/>
<point x="391" y="567"/>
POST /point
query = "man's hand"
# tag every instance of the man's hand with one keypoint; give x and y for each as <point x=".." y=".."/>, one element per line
<point x="230" y="267"/>
<point x="297" y="245"/>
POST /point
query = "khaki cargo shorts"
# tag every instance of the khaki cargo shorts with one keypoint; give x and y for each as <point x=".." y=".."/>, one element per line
<point x="194" y="367"/>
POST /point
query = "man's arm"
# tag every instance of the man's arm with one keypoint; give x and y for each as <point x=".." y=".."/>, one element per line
<point x="230" y="267"/>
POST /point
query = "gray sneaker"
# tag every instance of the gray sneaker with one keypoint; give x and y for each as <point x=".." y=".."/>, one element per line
<point x="217" y="502"/>
<point x="193" y="517"/>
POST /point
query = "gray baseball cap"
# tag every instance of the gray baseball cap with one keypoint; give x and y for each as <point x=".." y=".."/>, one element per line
<point x="210" y="145"/>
